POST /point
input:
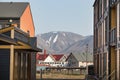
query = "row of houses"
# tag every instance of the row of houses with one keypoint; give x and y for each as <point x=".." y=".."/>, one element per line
<point x="63" y="60"/>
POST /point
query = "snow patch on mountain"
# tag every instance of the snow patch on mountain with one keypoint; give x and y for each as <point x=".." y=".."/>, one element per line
<point x="50" y="39"/>
<point x="55" y="39"/>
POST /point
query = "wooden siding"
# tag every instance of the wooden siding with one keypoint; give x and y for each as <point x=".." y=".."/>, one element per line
<point x="32" y="66"/>
<point x="113" y="18"/>
<point x="113" y="59"/>
<point x="26" y="22"/>
<point x="4" y="64"/>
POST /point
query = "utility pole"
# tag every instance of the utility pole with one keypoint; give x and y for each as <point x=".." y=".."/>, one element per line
<point x="86" y="59"/>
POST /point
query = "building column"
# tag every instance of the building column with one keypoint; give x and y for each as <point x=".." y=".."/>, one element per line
<point x="12" y="57"/>
<point x="11" y="62"/>
<point x="118" y="35"/>
<point x="99" y="65"/>
<point x="118" y="66"/>
<point x="107" y="64"/>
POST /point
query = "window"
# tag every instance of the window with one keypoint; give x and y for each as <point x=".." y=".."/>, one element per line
<point x="104" y="63"/>
<point x="100" y="8"/>
<point x="105" y="4"/>
<point x="106" y="31"/>
<point x="99" y="35"/>
<point x="96" y="38"/>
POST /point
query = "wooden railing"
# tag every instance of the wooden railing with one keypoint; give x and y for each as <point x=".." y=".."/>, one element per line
<point x="104" y="75"/>
<point x="21" y="35"/>
<point x="112" y="75"/>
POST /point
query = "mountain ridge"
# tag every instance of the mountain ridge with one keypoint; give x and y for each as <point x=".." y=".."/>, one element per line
<point x="64" y="42"/>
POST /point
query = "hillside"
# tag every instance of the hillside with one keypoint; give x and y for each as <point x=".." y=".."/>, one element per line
<point x="64" y="42"/>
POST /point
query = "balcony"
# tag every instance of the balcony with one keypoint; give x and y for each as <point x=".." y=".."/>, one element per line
<point x="113" y="37"/>
<point x="21" y="39"/>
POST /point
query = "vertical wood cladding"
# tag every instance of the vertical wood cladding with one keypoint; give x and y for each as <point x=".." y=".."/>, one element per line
<point x="21" y="66"/>
<point x="32" y="66"/>
<point x="4" y="64"/>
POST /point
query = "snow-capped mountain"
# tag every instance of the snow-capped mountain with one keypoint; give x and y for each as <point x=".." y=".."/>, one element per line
<point x="61" y="42"/>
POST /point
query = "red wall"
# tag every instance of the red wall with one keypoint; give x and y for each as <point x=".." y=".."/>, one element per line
<point x="26" y="22"/>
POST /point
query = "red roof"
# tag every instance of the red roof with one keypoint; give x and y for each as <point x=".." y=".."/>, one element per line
<point x="41" y="56"/>
<point x="57" y="57"/>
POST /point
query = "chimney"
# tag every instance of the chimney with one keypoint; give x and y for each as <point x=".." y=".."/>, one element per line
<point x="44" y="53"/>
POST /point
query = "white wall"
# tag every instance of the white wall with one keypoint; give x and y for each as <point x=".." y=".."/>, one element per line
<point x="83" y="64"/>
<point x="48" y="59"/>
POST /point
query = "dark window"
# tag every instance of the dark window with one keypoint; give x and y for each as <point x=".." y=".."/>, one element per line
<point x="105" y="4"/>
<point x="104" y="63"/>
<point x="106" y="31"/>
<point x="100" y="8"/>
<point x="96" y="38"/>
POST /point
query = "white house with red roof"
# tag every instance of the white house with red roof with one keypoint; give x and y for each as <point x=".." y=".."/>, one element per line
<point x="52" y="60"/>
<point x="59" y="60"/>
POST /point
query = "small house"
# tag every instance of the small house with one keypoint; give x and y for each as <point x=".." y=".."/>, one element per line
<point x="79" y="60"/>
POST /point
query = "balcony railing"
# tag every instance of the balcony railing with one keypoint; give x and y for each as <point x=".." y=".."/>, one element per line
<point x="113" y="36"/>
<point x="112" y="75"/>
<point x="21" y="35"/>
<point x="24" y="37"/>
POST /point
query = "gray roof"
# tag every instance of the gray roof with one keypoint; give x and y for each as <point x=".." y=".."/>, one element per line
<point x="82" y="56"/>
<point x="12" y="9"/>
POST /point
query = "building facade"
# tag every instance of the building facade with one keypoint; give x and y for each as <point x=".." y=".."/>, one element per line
<point x="107" y="39"/>
<point x="79" y="60"/>
<point x="17" y="42"/>
<point x="51" y="60"/>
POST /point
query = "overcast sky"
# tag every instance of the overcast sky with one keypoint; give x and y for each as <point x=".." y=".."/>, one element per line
<point x="61" y="15"/>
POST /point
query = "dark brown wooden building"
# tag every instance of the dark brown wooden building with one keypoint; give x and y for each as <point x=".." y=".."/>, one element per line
<point x="17" y="42"/>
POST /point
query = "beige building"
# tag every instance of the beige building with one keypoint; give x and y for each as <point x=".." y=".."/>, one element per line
<point x="107" y="39"/>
